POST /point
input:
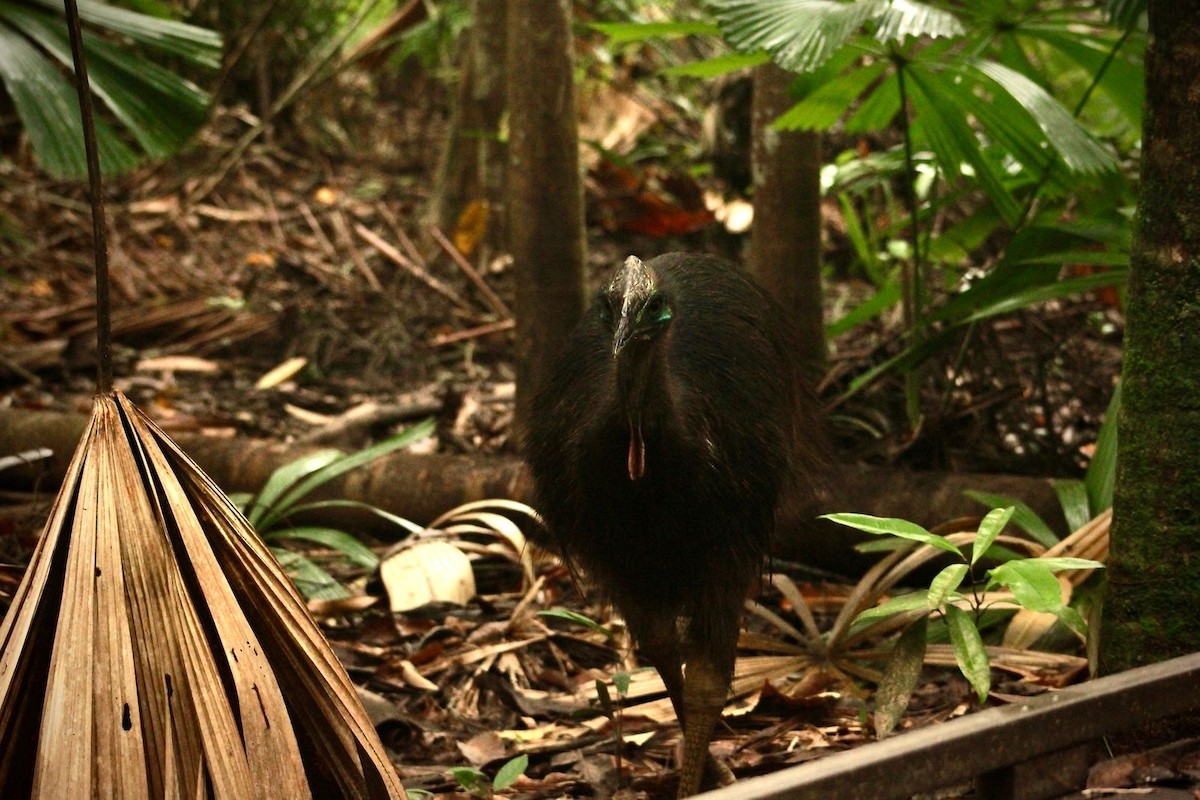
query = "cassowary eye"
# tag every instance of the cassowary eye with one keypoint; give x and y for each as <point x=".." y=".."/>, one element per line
<point x="655" y="307"/>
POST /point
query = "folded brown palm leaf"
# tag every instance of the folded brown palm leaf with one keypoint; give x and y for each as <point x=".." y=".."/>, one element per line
<point x="155" y="648"/>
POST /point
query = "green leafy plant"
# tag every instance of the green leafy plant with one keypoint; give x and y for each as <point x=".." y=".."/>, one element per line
<point x="959" y="596"/>
<point x="284" y="496"/>
<point x="476" y="782"/>
<point x="151" y="105"/>
<point x="1010" y="118"/>
<point x="972" y="92"/>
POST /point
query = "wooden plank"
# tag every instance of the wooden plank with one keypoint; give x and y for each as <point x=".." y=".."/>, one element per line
<point x="1040" y="778"/>
<point x="955" y="752"/>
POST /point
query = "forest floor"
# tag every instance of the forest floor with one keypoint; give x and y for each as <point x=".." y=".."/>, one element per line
<point x="304" y="285"/>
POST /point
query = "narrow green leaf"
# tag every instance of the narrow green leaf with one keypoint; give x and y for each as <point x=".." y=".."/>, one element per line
<point x="1079" y="151"/>
<point x="1073" y="620"/>
<point x="1073" y="498"/>
<point x="1060" y="563"/>
<point x="1023" y="516"/>
<point x="1031" y="581"/>
<point x="1102" y="471"/>
<point x="827" y="103"/>
<point x="623" y="32"/>
<point x="944" y="583"/>
<point x="507" y="775"/>
<point x="332" y="538"/>
<point x="720" y="65"/>
<point x="989" y="529"/>
<point x="914" y="601"/>
<point x="1123" y="84"/>
<point x="198" y="45"/>
<point x="887" y="297"/>
<point x="893" y="527"/>
<point x="940" y="118"/>
<point x="606" y="703"/>
<point x="345" y="464"/>
<point x="1053" y="291"/>
<point x="1124" y="13"/>
<point x="969" y="651"/>
<point x="284" y="478"/>
<point x="900" y="678"/>
<point x="878" y="110"/>
<point x="312" y="581"/>
<point x="577" y="618"/>
<point x="403" y="524"/>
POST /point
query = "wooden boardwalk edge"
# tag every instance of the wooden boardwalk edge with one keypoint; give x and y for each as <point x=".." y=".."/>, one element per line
<point x="950" y="753"/>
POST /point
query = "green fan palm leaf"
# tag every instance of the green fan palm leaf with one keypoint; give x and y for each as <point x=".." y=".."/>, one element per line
<point x="157" y="109"/>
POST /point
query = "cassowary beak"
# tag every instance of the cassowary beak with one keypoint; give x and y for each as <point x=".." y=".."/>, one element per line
<point x="622" y="335"/>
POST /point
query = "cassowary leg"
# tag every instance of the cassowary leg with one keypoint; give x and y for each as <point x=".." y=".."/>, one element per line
<point x="704" y="690"/>
<point x="659" y="641"/>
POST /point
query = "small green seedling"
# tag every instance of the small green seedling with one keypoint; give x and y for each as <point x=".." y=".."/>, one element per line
<point x="958" y="594"/>
<point x="284" y="495"/>
<point x="476" y="782"/>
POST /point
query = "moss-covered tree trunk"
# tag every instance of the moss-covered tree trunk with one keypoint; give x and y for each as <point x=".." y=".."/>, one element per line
<point x="785" y="243"/>
<point x="545" y="191"/>
<point x="1153" y="606"/>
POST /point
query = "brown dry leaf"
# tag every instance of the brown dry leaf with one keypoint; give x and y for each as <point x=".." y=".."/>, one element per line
<point x="279" y="374"/>
<point x="156" y="649"/>
<point x="471" y="227"/>
<point x="427" y="572"/>
<point x="177" y="364"/>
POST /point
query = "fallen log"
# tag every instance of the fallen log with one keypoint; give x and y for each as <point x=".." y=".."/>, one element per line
<point x="420" y="487"/>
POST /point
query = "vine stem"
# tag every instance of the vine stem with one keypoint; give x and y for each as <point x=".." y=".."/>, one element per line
<point x="104" y="375"/>
<point x="911" y="269"/>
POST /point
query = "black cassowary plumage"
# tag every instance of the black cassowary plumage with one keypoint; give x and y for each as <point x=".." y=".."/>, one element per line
<point x="660" y="445"/>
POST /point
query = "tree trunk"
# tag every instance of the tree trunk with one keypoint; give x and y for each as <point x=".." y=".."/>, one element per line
<point x="785" y="242"/>
<point x="421" y="487"/>
<point x="545" y="192"/>
<point x="471" y="167"/>
<point x="1154" y="574"/>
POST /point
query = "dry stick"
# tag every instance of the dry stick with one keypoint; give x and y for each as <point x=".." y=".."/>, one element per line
<point x="443" y="339"/>
<point x="405" y="241"/>
<point x="104" y="377"/>
<point x="302" y="80"/>
<point x="343" y="233"/>
<point x="318" y="233"/>
<point x="491" y="297"/>
<point x="414" y="268"/>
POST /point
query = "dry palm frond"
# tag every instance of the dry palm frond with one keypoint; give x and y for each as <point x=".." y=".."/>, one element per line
<point x="155" y="649"/>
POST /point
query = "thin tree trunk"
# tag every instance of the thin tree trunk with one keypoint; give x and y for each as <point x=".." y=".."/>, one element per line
<point x="471" y="168"/>
<point x="545" y="193"/>
<point x="785" y="242"/>
<point x="1154" y="574"/>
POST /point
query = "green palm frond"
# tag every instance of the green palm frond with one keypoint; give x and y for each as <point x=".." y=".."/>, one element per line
<point x="903" y="18"/>
<point x="802" y="34"/>
<point x="196" y="45"/>
<point x="157" y="108"/>
<point x="49" y="109"/>
<point x="1124" y="13"/>
<point x="1078" y="150"/>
